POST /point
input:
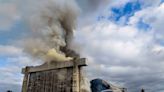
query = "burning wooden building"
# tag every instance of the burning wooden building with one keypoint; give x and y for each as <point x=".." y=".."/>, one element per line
<point x="54" y="77"/>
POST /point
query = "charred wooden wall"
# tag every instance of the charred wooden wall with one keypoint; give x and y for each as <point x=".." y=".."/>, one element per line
<point x="51" y="81"/>
<point x="57" y="77"/>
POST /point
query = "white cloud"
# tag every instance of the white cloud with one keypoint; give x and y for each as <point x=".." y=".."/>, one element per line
<point x="10" y="75"/>
<point x="8" y="14"/>
<point x="91" y="9"/>
<point x="122" y="54"/>
<point x="154" y="18"/>
<point x="14" y="61"/>
<point x="119" y="3"/>
<point x="9" y="50"/>
<point x="147" y="3"/>
<point x="109" y="37"/>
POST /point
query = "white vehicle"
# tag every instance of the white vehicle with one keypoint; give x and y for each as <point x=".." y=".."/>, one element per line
<point x="108" y="90"/>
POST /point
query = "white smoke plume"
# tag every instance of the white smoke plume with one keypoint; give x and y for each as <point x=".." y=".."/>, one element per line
<point x="52" y="23"/>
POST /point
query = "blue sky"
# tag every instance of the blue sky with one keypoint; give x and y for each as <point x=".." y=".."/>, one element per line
<point x="130" y="33"/>
<point x="127" y="10"/>
<point x="18" y="28"/>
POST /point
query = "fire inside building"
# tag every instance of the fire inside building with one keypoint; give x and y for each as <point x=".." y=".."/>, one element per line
<point x="61" y="77"/>
<point x="52" y="28"/>
<point x="58" y="77"/>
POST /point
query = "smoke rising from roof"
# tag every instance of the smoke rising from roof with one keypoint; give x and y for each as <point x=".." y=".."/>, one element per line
<point x="52" y="23"/>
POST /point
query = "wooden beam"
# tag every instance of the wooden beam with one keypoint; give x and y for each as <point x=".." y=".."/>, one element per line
<point x="55" y="65"/>
<point x="25" y="80"/>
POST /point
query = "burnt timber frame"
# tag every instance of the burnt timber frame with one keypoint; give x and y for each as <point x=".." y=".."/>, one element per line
<point x="72" y="69"/>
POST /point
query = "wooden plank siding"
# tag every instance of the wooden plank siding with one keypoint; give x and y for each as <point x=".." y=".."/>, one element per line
<point x="50" y="79"/>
